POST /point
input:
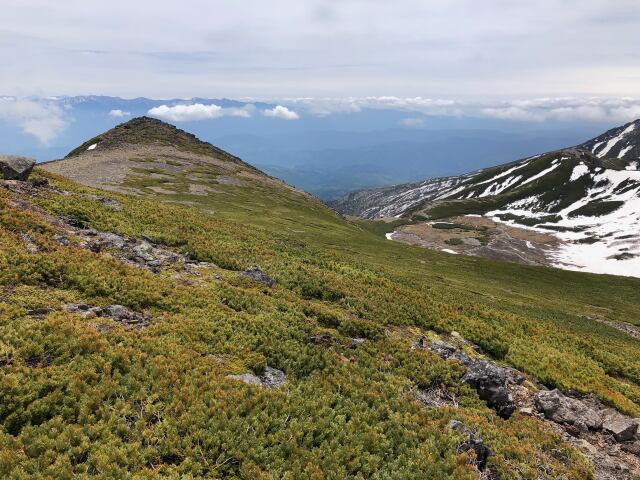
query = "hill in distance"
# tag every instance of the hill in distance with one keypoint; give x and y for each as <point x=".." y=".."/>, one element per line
<point x="580" y="206"/>
<point x="251" y="332"/>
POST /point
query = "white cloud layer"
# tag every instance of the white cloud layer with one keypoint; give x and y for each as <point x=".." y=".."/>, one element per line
<point x="44" y="119"/>
<point x="281" y="112"/>
<point x="198" y="111"/>
<point x="117" y="113"/>
<point x="530" y="110"/>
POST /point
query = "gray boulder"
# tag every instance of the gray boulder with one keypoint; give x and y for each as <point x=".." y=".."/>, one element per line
<point x="16" y="168"/>
<point x="271" y="378"/>
<point x="248" y="378"/>
<point x="490" y="381"/>
<point x="570" y="411"/>
<point x="621" y="427"/>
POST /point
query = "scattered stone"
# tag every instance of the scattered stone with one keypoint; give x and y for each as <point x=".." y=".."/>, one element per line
<point x="445" y="350"/>
<point x="566" y="410"/>
<point x="107" y="202"/>
<point x="621" y="427"/>
<point x="473" y="442"/>
<point x="39" y="182"/>
<point x="631" y="447"/>
<point x="32" y="246"/>
<point x="119" y="313"/>
<point x="437" y="396"/>
<point x="490" y="381"/>
<point x="16" y="168"/>
<point x="324" y="339"/>
<point x="39" y="312"/>
<point x="271" y="378"/>
<point x="356" y="342"/>
<point x="257" y="274"/>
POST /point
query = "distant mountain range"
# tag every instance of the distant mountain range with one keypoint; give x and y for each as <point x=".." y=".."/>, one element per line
<point x="327" y="155"/>
<point x="588" y="195"/>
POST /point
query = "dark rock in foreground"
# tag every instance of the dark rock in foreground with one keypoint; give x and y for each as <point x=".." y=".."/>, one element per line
<point x="16" y="168"/>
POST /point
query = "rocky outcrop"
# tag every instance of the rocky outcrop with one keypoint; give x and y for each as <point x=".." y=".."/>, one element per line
<point x="107" y="202"/>
<point x="16" y="168"/>
<point x="270" y="378"/>
<point x="491" y="383"/>
<point x="485" y="377"/>
<point x="562" y="409"/>
<point x="119" y="313"/>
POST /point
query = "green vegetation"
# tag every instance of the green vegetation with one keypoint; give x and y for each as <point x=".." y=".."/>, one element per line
<point x="454" y="241"/>
<point x="116" y="402"/>
<point x="597" y="208"/>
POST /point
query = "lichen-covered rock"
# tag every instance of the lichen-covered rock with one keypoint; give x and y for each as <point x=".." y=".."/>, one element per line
<point x="16" y="168"/>
<point x="562" y="409"/>
<point x="271" y="378"/>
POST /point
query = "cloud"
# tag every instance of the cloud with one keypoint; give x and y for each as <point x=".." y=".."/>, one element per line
<point x="44" y="119"/>
<point x="197" y="111"/>
<point x="117" y="113"/>
<point x="590" y="109"/>
<point x="281" y="112"/>
<point x="412" y="122"/>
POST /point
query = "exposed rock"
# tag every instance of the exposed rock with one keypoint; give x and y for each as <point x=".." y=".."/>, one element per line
<point x="257" y="274"/>
<point x="248" y="378"/>
<point x="621" y="427"/>
<point x="119" y="313"/>
<point x="135" y="251"/>
<point x="356" y="342"/>
<point x="473" y="442"/>
<point x="632" y="447"/>
<point x="489" y="380"/>
<point x="107" y="202"/>
<point x="16" y="168"/>
<point x="567" y="410"/>
<point x="31" y="245"/>
<point x="445" y="350"/>
<point x="39" y="182"/>
<point x="271" y="378"/>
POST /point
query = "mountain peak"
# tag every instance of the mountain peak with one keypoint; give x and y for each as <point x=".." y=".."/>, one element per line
<point x="622" y="143"/>
<point x="149" y="131"/>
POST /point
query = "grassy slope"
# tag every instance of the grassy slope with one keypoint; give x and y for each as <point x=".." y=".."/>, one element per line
<point x="155" y="402"/>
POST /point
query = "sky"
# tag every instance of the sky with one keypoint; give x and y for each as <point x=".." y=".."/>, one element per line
<point x="444" y="49"/>
<point x="514" y="60"/>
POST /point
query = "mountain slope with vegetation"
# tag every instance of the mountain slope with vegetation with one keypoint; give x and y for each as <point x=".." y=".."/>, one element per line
<point x="588" y="195"/>
<point x="158" y="390"/>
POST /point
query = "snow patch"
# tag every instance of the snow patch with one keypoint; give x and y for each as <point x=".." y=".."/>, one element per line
<point x="578" y="171"/>
<point x="92" y="147"/>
